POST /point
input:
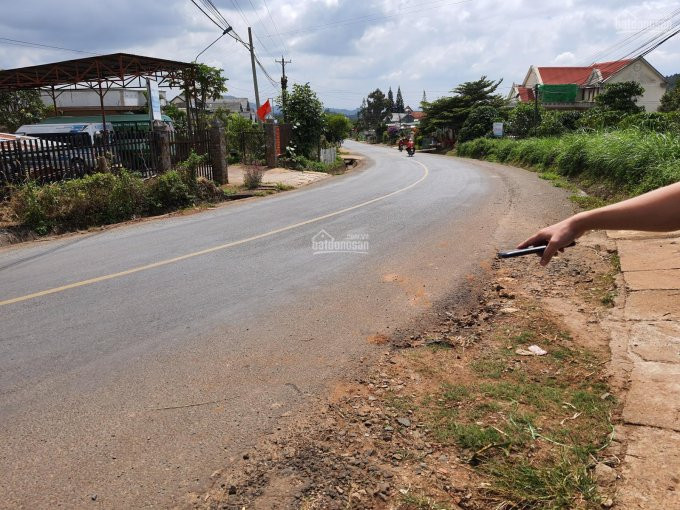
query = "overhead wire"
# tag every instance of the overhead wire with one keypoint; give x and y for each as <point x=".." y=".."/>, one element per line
<point x="276" y="28"/>
<point x="17" y="42"/>
<point x="213" y="14"/>
<point x="619" y="45"/>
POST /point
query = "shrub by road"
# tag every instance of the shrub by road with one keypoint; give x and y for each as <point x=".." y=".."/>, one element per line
<point x="632" y="159"/>
<point x="106" y="198"/>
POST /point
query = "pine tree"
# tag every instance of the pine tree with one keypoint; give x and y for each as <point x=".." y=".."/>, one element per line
<point x="424" y="98"/>
<point x="399" y="103"/>
<point x="390" y="101"/>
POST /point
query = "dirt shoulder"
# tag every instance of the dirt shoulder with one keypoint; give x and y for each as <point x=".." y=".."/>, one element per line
<point x="464" y="413"/>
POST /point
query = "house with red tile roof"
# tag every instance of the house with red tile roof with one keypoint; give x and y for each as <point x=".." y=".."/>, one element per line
<point x="575" y="88"/>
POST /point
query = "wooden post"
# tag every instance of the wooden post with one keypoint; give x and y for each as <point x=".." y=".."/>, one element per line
<point x="161" y="138"/>
<point x="218" y="153"/>
<point x="270" y="143"/>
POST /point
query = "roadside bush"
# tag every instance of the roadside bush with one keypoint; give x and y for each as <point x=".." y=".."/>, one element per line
<point x="652" y="121"/>
<point x="302" y="163"/>
<point x="105" y="198"/>
<point x="252" y="176"/>
<point x="479" y="123"/>
<point x="551" y="124"/>
<point x="169" y="191"/>
<point x="635" y="159"/>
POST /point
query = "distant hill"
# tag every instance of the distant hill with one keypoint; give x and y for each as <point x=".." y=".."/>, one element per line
<point x="672" y="80"/>
<point x="352" y="114"/>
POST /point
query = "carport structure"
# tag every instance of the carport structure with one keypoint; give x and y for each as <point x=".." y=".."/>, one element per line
<point x="100" y="73"/>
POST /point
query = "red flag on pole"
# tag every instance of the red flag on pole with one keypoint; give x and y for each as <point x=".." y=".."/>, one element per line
<point x="264" y="110"/>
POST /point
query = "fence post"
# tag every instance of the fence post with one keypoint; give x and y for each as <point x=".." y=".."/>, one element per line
<point x="218" y="152"/>
<point x="161" y="138"/>
<point x="270" y="144"/>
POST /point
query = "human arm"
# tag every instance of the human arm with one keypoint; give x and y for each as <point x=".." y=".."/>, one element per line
<point x="656" y="211"/>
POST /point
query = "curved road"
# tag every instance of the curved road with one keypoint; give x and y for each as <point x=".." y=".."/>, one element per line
<point x="136" y="361"/>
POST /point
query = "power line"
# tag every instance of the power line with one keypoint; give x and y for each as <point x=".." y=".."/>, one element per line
<point x="208" y="15"/>
<point x="629" y="40"/>
<point x="276" y="28"/>
<point x="16" y="42"/>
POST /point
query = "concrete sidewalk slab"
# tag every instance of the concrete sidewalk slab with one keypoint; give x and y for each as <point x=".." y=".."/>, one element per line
<point x="636" y="234"/>
<point x="649" y="337"/>
<point x="295" y="178"/>
<point x="653" y="305"/>
<point x="651" y="451"/>
<point x="657" y="341"/>
<point x="638" y="255"/>
<point x="662" y="279"/>
<point x="653" y="396"/>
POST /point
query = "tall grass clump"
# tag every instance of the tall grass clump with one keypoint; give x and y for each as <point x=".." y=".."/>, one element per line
<point x="635" y="159"/>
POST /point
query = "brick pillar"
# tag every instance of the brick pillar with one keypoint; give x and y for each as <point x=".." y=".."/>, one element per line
<point x="161" y="140"/>
<point x="218" y="152"/>
<point x="270" y="143"/>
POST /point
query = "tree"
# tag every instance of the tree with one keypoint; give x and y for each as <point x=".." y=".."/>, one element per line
<point x="481" y="91"/>
<point x="399" y="103"/>
<point x="21" y="107"/>
<point x="478" y="123"/>
<point x="306" y="113"/>
<point x="521" y="119"/>
<point x="374" y="113"/>
<point x="179" y="117"/>
<point x="621" y="97"/>
<point x="390" y="101"/>
<point x="450" y="112"/>
<point x="336" y="127"/>
<point x="670" y="101"/>
<point x="424" y="100"/>
<point x="210" y="84"/>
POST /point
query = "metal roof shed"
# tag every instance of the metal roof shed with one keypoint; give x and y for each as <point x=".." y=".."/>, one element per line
<point x="100" y="73"/>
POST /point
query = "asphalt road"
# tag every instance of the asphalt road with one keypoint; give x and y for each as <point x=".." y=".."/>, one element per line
<point x="136" y="361"/>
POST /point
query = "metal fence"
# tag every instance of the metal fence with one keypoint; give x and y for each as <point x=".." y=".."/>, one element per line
<point x="248" y="146"/>
<point x="56" y="157"/>
<point x="181" y="146"/>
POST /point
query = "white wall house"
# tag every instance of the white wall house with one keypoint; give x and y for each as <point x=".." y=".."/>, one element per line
<point x="591" y="81"/>
<point x="84" y="101"/>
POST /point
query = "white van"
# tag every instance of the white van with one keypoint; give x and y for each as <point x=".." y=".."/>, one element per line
<point x="64" y="132"/>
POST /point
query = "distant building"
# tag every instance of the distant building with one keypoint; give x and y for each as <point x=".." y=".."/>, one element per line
<point x="407" y="120"/>
<point x="240" y="105"/>
<point x="86" y="101"/>
<point x="575" y="88"/>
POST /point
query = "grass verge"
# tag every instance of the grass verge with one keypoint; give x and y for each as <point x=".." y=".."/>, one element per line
<point x="612" y="163"/>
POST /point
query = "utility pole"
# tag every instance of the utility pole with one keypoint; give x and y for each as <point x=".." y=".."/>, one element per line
<point x="284" y="84"/>
<point x="536" y="106"/>
<point x="252" y="62"/>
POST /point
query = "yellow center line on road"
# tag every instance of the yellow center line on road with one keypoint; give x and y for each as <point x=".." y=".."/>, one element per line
<point x="225" y="246"/>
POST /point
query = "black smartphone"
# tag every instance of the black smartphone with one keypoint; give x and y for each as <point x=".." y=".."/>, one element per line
<point x="525" y="251"/>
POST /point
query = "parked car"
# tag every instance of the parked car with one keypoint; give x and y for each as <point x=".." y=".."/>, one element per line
<point x="71" y="149"/>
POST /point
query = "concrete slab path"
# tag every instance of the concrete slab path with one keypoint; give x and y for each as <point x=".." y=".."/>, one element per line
<point x="648" y="335"/>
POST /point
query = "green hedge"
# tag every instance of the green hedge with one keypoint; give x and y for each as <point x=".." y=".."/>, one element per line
<point x="106" y="198"/>
<point x="638" y="160"/>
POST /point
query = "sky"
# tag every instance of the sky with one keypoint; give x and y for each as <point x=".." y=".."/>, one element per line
<point x="345" y="48"/>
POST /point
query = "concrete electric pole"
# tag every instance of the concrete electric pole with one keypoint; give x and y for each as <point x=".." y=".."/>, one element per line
<point x="284" y="84"/>
<point x="252" y="63"/>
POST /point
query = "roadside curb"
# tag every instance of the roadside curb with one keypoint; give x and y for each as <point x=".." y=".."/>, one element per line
<point x="645" y="344"/>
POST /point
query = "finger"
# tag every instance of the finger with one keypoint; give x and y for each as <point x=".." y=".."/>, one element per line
<point x="549" y="252"/>
<point x="532" y="241"/>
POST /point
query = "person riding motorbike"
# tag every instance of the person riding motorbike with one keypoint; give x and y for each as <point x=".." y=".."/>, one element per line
<point x="410" y="147"/>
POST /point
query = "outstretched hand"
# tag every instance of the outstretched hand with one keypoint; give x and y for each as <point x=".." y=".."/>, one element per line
<point x="556" y="237"/>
